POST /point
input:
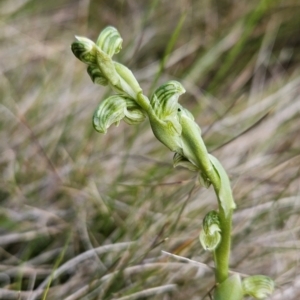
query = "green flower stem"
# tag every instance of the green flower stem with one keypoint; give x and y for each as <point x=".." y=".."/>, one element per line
<point x="222" y="253"/>
<point x="199" y="154"/>
<point x="190" y="135"/>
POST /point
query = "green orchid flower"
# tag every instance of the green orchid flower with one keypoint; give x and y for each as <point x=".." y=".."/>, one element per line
<point x="210" y="236"/>
<point x="163" y="115"/>
<point x="115" y="108"/>
<point x="175" y="127"/>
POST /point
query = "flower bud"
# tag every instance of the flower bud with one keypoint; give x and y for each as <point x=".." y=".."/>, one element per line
<point x="258" y="286"/>
<point x="110" y="41"/>
<point x="210" y="236"/>
<point x="85" y="50"/>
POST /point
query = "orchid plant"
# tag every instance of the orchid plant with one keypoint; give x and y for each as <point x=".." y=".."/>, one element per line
<point x="173" y="126"/>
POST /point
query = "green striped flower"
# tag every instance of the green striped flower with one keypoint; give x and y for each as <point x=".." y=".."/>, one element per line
<point x="174" y="126"/>
<point x="115" y="108"/>
<point x="110" y="41"/>
<point x="163" y="115"/>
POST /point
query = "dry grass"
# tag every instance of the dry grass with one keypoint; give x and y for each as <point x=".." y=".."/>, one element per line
<point x="86" y="216"/>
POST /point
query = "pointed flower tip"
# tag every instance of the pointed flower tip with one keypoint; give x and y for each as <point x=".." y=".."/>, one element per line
<point x="87" y="43"/>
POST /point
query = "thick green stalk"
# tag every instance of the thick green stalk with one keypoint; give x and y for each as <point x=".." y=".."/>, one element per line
<point x="200" y="156"/>
<point x="222" y="253"/>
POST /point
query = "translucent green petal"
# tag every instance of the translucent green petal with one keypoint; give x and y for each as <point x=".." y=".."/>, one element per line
<point x="110" y="41"/>
<point x="258" y="286"/>
<point x="111" y="110"/>
<point x="134" y="114"/>
<point x="85" y="50"/>
<point x="210" y="236"/>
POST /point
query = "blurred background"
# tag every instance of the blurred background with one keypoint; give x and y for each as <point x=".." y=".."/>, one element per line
<point x="87" y="216"/>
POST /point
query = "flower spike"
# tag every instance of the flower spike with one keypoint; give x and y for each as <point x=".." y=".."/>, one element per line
<point x="175" y="127"/>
